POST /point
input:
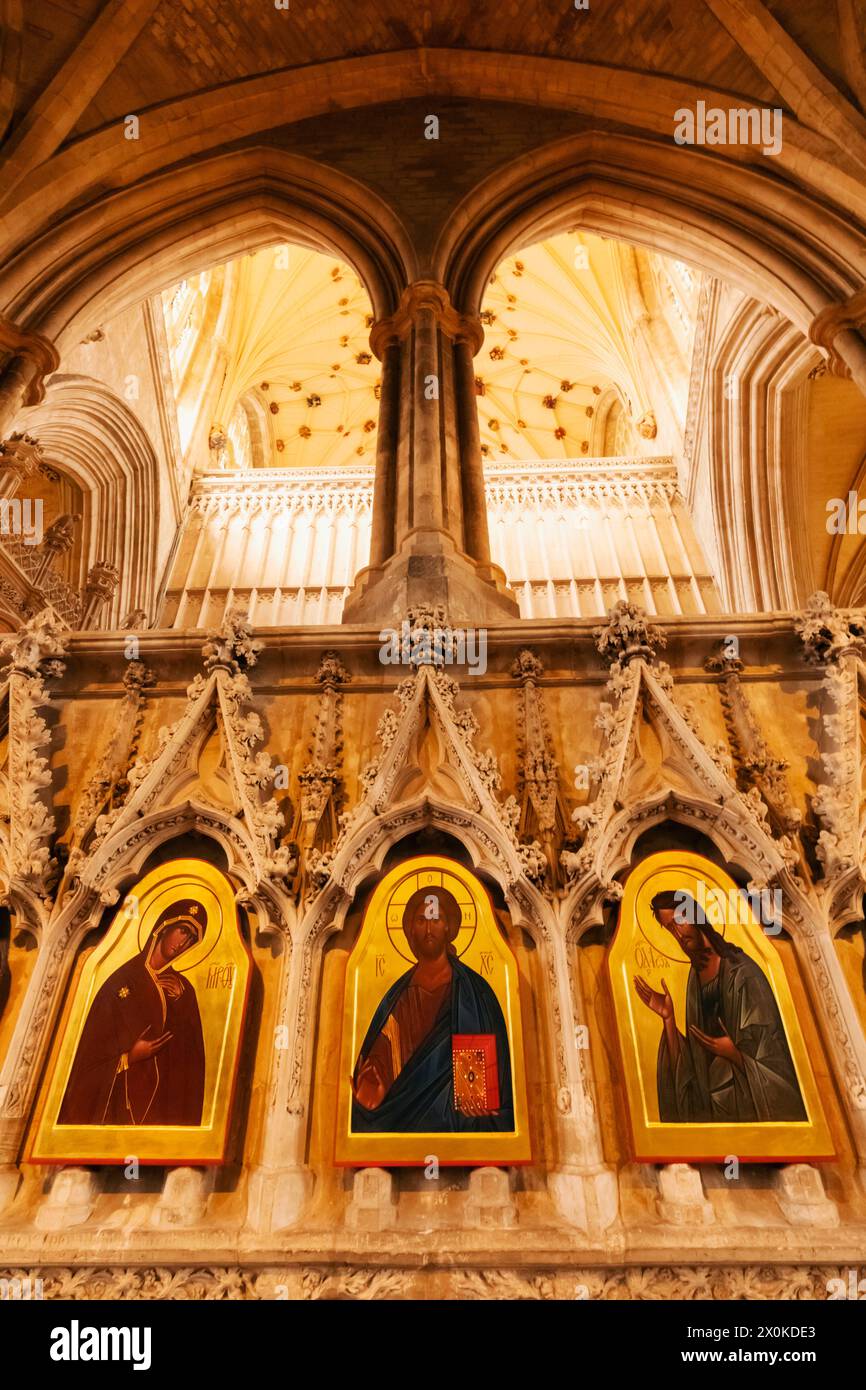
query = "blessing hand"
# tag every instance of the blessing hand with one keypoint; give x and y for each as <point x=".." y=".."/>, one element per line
<point x="368" y="1086"/>
<point x="144" y="1047"/>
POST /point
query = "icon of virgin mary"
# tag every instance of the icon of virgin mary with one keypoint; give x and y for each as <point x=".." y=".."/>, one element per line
<point x="140" y="1059"/>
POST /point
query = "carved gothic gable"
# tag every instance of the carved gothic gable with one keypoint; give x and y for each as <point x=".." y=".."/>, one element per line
<point x="212" y="756"/>
<point x="687" y="773"/>
<point x="427" y="748"/>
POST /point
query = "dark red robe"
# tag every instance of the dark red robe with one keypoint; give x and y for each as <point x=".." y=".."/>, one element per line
<point x="166" y="1089"/>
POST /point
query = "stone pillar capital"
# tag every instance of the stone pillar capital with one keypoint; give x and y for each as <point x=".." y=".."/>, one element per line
<point x="425" y="296"/>
<point x="831" y="323"/>
<point x="36" y="350"/>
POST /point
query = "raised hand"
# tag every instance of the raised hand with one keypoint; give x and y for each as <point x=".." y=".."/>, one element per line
<point x="661" y="1004"/>
<point x="144" y="1047"/>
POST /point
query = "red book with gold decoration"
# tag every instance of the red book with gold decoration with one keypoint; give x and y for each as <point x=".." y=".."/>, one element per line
<point x="476" y="1075"/>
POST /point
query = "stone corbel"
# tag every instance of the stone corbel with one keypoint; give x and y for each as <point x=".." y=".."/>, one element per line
<point x="30" y="358"/>
<point x="848" y="316"/>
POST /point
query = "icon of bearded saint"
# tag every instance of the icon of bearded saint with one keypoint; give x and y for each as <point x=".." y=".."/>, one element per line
<point x="140" y="1059"/>
<point x="733" y="1063"/>
<point x="435" y="1057"/>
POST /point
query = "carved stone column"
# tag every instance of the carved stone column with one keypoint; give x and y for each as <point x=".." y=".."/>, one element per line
<point x="102" y="582"/>
<point x="281" y="1184"/>
<point x="29" y="358"/>
<point x="59" y="538"/>
<point x="430" y="540"/>
<point x="476" y="531"/>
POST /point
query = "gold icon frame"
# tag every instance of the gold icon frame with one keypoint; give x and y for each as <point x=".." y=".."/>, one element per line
<point x="379" y="957"/>
<point x="221" y="1019"/>
<point x="637" y="949"/>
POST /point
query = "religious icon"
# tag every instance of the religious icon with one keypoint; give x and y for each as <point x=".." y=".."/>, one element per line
<point x="432" y="1043"/>
<point x="140" y="1059"/>
<point x="714" y="1057"/>
<point x="147" y="1059"/>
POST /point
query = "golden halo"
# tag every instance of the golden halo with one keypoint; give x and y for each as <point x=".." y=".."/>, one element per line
<point x="429" y="878"/>
<point x="171" y="893"/>
<point x="652" y="931"/>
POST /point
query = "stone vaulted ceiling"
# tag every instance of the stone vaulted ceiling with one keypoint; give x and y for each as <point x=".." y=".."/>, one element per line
<point x="294" y="337"/>
<point x="559" y="335"/>
<point x="291" y="330"/>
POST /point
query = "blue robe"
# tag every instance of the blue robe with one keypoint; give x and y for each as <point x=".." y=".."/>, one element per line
<point x="421" y="1099"/>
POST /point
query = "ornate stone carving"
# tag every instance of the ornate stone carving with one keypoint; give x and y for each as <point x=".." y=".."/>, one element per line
<point x="135" y="620"/>
<point x="420" y="296"/>
<point x="321" y="778"/>
<point x="100" y="587"/>
<point x="539" y="810"/>
<point x="766" y="1281"/>
<point x="27" y="827"/>
<point x="220" y="697"/>
<point x="646" y="426"/>
<point x="232" y="646"/>
<point x="109" y="785"/>
<point x="539" y="771"/>
<point x="756" y="764"/>
<point x="828" y="632"/>
<point x="20" y="457"/>
<point x="628" y="635"/>
<point x="30" y="649"/>
<point x="834" y="639"/>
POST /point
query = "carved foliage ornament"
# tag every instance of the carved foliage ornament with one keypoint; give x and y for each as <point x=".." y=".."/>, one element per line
<point x="27" y="834"/>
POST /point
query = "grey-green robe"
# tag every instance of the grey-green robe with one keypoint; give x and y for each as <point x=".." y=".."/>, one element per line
<point x="702" y="1088"/>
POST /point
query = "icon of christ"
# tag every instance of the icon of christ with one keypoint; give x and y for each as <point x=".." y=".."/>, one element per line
<point x="733" y="1064"/>
<point x="141" y="1059"/>
<point x="435" y="1058"/>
